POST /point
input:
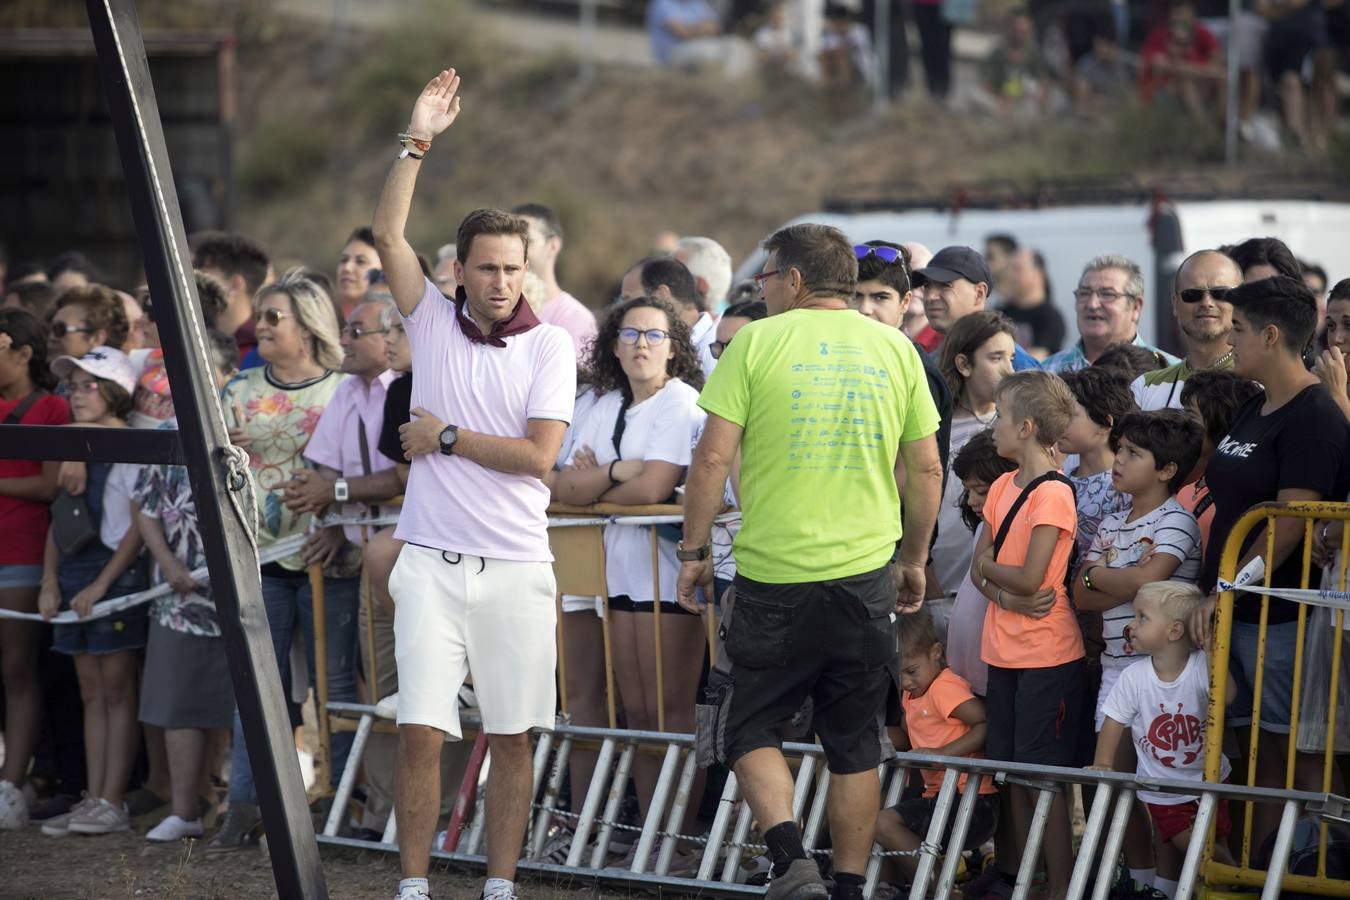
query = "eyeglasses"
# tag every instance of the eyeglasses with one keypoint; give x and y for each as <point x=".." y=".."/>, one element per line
<point x="653" y="335"/>
<point x="1108" y="296"/>
<point x="716" y="348"/>
<point x="272" y="316"/>
<point x="61" y="329"/>
<point x="356" y="332"/>
<point x="1195" y="295"/>
<point x="762" y="277"/>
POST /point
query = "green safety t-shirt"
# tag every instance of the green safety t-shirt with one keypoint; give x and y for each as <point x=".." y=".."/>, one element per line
<point x="825" y="398"/>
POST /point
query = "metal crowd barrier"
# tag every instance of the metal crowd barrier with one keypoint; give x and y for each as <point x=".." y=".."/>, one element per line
<point x="730" y="839"/>
<point x="1246" y="873"/>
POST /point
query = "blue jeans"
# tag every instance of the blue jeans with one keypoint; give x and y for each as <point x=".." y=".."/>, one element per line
<point x="289" y="600"/>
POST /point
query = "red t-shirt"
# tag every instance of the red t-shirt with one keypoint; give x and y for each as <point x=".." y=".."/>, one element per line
<point x="1203" y="48"/>
<point x="24" y="522"/>
<point x="929" y="339"/>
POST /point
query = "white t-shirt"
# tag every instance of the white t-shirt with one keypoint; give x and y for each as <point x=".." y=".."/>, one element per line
<point x="952" y="549"/>
<point x="1166" y="721"/>
<point x="117" y="503"/>
<point x="702" y="335"/>
<point x="452" y="503"/>
<point x="659" y="428"/>
<point x="965" y="630"/>
<point x="1169" y="529"/>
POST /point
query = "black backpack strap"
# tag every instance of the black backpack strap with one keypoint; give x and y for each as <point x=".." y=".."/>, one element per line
<point x="1022" y="498"/>
<point x="620" y="424"/>
<point x="17" y="413"/>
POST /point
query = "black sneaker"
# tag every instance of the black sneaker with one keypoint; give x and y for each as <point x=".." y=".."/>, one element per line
<point x="51" y="807"/>
<point x="241" y="828"/>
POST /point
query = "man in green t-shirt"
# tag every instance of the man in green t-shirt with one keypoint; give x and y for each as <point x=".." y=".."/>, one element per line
<point x="833" y="418"/>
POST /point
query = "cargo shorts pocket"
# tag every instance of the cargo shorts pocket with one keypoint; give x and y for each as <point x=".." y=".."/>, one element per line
<point x="879" y="631"/>
<point x="710" y="719"/>
<point x="757" y="637"/>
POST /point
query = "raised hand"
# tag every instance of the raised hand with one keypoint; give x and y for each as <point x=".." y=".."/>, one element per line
<point x="437" y="106"/>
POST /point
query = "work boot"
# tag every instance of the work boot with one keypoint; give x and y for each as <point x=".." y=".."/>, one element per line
<point x="801" y="881"/>
<point x="240" y="829"/>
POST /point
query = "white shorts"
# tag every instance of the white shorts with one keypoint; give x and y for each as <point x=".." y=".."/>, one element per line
<point x="459" y="613"/>
<point x="1110" y="675"/>
<point x="575" y="603"/>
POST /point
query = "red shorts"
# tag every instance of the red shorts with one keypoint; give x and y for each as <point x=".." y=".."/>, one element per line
<point x="1172" y="819"/>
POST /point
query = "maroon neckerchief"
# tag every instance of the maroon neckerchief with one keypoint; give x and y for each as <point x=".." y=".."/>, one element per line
<point x="521" y="320"/>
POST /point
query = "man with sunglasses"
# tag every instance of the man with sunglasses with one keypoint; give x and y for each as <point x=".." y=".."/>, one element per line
<point x="1205" y="318"/>
<point x="825" y="408"/>
<point x="883" y="294"/>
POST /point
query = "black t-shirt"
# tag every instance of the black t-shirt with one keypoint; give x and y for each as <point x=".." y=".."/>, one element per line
<point x="1300" y="446"/>
<point x="942" y="399"/>
<point x="397" y="402"/>
<point x="1038" y="326"/>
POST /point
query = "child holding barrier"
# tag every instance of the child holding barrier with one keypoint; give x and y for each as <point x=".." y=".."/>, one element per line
<point x="93" y="551"/>
<point x="1163" y="701"/>
<point x="942" y="718"/>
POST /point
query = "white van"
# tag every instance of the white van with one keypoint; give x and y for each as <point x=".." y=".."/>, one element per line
<point x="1068" y="236"/>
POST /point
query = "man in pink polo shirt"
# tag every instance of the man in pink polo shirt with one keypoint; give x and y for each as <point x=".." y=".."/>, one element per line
<point x="474" y="585"/>
<point x="561" y="308"/>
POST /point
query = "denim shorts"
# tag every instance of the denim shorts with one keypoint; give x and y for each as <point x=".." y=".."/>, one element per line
<point x="1277" y="682"/>
<point x="18" y="575"/>
<point x="123" y="630"/>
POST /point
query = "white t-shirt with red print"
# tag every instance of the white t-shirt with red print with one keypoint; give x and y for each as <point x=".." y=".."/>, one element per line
<point x="1167" y="722"/>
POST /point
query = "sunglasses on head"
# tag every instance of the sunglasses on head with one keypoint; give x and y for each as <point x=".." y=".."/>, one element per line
<point x="1195" y="295"/>
<point x="272" y="316"/>
<point x="61" y="329"/>
<point x="889" y="255"/>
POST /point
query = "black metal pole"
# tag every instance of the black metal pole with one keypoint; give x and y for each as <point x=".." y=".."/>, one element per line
<point x="231" y="556"/>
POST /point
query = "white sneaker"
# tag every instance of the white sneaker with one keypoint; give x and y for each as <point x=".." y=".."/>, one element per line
<point x="174" y="829"/>
<point x="101" y="818"/>
<point x="13" y="807"/>
<point x="413" y="893"/>
<point x="59" y="826"/>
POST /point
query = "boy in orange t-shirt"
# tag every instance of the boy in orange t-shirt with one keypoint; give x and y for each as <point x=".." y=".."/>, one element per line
<point x="1031" y="638"/>
<point x="942" y="718"/>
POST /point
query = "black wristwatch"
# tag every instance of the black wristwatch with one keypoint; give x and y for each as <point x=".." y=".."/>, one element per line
<point x="698" y="554"/>
<point x="449" y="435"/>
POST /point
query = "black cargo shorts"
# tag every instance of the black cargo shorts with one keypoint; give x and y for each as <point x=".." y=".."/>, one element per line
<point x="831" y="641"/>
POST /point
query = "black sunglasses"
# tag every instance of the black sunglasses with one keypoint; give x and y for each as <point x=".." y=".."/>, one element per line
<point x="1195" y="295"/>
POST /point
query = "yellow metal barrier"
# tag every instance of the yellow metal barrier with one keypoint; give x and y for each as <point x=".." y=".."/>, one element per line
<point x="1265" y="516"/>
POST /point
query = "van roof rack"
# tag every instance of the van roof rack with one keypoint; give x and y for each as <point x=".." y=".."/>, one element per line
<point x="898" y="196"/>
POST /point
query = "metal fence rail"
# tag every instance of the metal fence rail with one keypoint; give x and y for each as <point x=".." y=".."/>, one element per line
<point x="725" y="846"/>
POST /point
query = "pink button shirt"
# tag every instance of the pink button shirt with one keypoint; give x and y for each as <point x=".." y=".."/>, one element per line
<point x="452" y="503"/>
<point x="336" y="442"/>
<point x="572" y="316"/>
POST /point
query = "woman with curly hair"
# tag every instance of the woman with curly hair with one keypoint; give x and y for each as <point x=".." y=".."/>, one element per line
<point x="630" y="443"/>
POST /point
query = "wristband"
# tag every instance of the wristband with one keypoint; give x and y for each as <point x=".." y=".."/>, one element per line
<point x="612" y="479"/>
<point x="999" y="601"/>
<point x="408" y="142"/>
<point x="1087" y="578"/>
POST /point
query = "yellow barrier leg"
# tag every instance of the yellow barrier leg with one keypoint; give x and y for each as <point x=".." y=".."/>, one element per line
<point x="368" y="601"/>
<point x="562" y="659"/>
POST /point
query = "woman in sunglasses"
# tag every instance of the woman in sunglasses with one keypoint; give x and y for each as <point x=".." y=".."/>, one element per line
<point x="630" y="444"/>
<point x="271" y="412"/>
<point x="85" y="318"/>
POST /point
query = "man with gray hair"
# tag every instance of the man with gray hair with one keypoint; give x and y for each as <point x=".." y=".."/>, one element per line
<point x="710" y="265"/>
<point x="1108" y="302"/>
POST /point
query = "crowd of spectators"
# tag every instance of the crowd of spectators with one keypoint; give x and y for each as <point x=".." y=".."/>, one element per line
<point x="1044" y="59"/>
<point x="1163" y="454"/>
